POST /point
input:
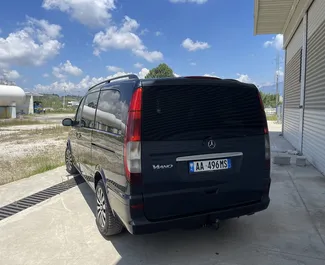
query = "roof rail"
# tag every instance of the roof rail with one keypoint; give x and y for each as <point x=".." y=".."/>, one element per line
<point x="202" y="77"/>
<point x="130" y="76"/>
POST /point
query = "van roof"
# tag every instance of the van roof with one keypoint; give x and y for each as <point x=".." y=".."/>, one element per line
<point x="194" y="79"/>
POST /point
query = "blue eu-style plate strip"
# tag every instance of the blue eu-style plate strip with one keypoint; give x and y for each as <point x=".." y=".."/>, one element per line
<point x="191" y="167"/>
<point x="229" y="163"/>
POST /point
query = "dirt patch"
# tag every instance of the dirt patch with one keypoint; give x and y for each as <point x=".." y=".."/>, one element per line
<point x="27" y="152"/>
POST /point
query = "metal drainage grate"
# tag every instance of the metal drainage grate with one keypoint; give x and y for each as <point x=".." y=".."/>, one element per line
<point x="38" y="197"/>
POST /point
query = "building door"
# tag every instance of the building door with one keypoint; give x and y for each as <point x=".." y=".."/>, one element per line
<point x="292" y="91"/>
<point x="314" y="114"/>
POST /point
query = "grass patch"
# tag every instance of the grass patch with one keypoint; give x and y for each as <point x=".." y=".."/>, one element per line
<point x="50" y="132"/>
<point x="60" y="111"/>
<point x="57" y="130"/>
<point x="42" y="150"/>
<point x="31" y="165"/>
<point x="18" y="122"/>
<point x="41" y="163"/>
<point x="272" y="118"/>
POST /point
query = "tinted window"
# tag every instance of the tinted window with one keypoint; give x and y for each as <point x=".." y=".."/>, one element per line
<point x="114" y="99"/>
<point x="111" y="112"/>
<point x="191" y="112"/>
<point x="89" y="110"/>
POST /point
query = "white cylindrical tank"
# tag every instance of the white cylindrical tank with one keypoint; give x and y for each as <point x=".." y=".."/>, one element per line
<point x="106" y="118"/>
<point x="11" y="94"/>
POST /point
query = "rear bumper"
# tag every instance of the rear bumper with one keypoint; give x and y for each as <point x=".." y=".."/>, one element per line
<point x="143" y="226"/>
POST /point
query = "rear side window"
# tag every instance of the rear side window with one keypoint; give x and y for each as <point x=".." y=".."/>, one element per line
<point x="192" y="112"/>
<point x="110" y="111"/>
<point x="113" y="106"/>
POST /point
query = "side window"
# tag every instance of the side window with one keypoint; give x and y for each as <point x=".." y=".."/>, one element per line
<point x="78" y="113"/>
<point x="111" y="112"/>
<point x="89" y="110"/>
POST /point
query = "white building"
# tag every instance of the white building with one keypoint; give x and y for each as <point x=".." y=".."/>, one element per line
<point x="302" y="23"/>
<point x="73" y="103"/>
<point x="27" y="106"/>
<point x="14" y="99"/>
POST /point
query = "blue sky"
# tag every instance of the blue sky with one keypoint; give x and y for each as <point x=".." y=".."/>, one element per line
<point x="52" y="45"/>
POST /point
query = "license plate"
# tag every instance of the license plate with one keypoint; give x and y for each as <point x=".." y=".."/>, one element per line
<point x="209" y="165"/>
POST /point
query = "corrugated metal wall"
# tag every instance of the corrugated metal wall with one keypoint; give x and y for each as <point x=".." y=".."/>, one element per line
<point x="294" y="20"/>
<point x="295" y="44"/>
<point x="292" y="100"/>
<point x="314" y="117"/>
<point x="316" y="16"/>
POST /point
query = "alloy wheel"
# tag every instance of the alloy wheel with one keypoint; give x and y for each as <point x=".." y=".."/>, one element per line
<point x="101" y="207"/>
<point x="68" y="159"/>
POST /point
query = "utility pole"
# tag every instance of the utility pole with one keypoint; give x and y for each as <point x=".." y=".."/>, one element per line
<point x="64" y="97"/>
<point x="277" y="85"/>
<point x="277" y="79"/>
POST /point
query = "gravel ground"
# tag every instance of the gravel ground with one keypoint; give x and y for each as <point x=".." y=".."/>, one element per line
<point x="30" y="149"/>
<point x="19" y="128"/>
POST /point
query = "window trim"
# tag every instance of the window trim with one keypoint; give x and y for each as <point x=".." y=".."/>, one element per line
<point x="80" y="106"/>
<point x="85" y="97"/>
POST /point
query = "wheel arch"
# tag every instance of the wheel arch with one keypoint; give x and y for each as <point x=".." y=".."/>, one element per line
<point x="99" y="175"/>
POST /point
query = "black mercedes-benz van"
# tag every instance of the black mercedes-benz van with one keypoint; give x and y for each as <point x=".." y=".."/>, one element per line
<point x="167" y="153"/>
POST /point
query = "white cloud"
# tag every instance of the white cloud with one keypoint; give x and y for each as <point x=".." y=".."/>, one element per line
<point x="176" y="75"/>
<point x="46" y="75"/>
<point x="138" y="65"/>
<point x="92" y="13"/>
<point x="144" y="32"/>
<point x="57" y="73"/>
<point x="9" y="74"/>
<point x="82" y="86"/>
<point x="189" y="1"/>
<point x="67" y="68"/>
<point x="148" y="56"/>
<point x="124" y="38"/>
<point x="143" y="73"/>
<point x="276" y="42"/>
<point x="34" y="44"/>
<point x="191" y="46"/>
<point x="158" y="33"/>
<point x="113" y="68"/>
<point x="279" y="73"/>
<point x="211" y="75"/>
<point x="193" y="63"/>
<point x="244" y="78"/>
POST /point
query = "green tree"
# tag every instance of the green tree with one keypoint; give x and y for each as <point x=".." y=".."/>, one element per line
<point x="161" y="71"/>
<point x="269" y="100"/>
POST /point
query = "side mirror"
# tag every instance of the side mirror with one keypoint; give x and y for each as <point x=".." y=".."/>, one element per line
<point x="67" y="122"/>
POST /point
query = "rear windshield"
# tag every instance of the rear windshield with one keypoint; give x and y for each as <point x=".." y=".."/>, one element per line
<point x="192" y="112"/>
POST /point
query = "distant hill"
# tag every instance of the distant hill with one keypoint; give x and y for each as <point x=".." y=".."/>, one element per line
<point x="272" y="89"/>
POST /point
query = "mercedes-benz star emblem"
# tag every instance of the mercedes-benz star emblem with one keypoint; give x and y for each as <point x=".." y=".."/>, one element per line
<point x="211" y="144"/>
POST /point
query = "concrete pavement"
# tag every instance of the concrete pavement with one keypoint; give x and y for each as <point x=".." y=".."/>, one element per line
<point x="62" y="229"/>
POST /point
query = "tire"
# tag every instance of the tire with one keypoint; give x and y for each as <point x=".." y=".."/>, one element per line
<point x="107" y="223"/>
<point x="70" y="168"/>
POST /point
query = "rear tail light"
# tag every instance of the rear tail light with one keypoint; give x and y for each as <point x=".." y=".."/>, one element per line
<point x="132" y="144"/>
<point x="267" y="150"/>
<point x="266" y="135"/>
